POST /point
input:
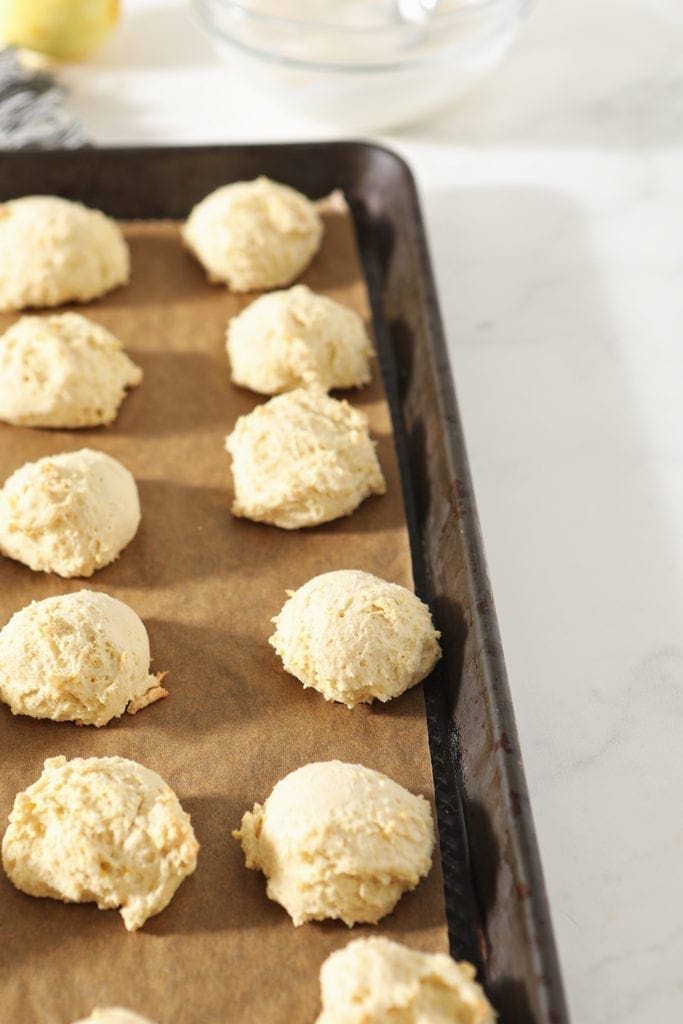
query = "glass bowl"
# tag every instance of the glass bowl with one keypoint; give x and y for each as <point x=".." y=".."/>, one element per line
<point x="363" y="64"/>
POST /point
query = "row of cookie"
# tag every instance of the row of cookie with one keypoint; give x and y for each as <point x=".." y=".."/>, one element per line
<point x="65" y="371"/>
<point x="334" y="840"/>
<point x="327" y="635"/>
<point x="255" y="235"/>
<point x="344" y="635"/>
<point x="374" y="981"/>
<point x="301" y="459"/>
<point x="85" y="657"/>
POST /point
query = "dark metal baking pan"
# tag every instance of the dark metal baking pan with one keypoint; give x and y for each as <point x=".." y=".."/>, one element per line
<point x="497" y="908"/>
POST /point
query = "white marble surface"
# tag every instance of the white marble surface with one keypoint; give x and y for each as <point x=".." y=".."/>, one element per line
<point x="554" y="201"/>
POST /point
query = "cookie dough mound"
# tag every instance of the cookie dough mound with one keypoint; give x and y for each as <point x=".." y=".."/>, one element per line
<point x="80" y="657"/>
<point x="338" y="840"/>
<point x="301" y="459"/>
<point x="288" y="339"/>
<point x="114" y="1015"/>
<point x="71" y="513"/>
<point x="100" y="830"/>
<point x="62" y="371"/>
<point x="254" y="235"/>
<point x="355" y="637"/>
<point x="372" y="981"/>
<point x="54" y="251"/>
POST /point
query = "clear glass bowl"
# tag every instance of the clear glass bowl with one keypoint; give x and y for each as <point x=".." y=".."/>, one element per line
<point x="363" y="64"/>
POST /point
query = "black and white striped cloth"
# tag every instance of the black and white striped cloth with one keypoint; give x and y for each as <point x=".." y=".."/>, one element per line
<point x="32" y="111"/>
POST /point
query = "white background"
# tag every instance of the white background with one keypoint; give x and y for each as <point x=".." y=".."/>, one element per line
<point x="554" y="201"/>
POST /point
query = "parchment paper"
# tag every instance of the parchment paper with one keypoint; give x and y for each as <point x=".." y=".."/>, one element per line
<point x="206" y="584"/>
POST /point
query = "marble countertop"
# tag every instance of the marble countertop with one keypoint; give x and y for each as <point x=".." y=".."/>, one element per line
<point x="554" y="202"/>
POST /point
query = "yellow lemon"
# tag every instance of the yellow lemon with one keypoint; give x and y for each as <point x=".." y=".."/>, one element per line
<point x="65" y="29"/>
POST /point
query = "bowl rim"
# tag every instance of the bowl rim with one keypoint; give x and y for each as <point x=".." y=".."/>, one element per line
<point x="243" y="13"/>
<point x="464" y="10"/>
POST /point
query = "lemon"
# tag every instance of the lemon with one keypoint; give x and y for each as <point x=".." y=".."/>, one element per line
<point x="65" y="29"/>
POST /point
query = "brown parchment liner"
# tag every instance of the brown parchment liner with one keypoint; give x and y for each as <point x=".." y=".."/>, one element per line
<point x="206" y="585"/>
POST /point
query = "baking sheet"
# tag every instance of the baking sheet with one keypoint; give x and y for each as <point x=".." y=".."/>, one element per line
<point x="206" y="585"/>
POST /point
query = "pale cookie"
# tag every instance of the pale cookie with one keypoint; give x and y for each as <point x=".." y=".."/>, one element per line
<point x="80" y="657"/>
<point x="288" y="339"/>
<point x="338" y="840"/>
<point x="301" y="459"/>
<point x="375" y="981"/>
<point x="62" y="371"/>
<point x="114" y="1015"/>
<point x="70" y="514"/>
<point x="254" y="235"/>
<point x="54" y="251"/>
<point x="100" y="830"/>
<point x="355" y="637"/>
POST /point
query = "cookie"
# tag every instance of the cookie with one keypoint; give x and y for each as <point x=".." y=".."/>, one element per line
<point x="254" y="235"/>
<point x="54" y="251"/>
<point x="355" y="638"/>
<point x="100" y="830"/>
<point x="62" y="371"/>
<point x="294" y="338"/>
<point x="372" y="981"/>
<point x="114" y="1015"/>
<point x="302" y="459"/>
<point x="81" y="657"/>
<point x="70" y="514"/>
<point x="338" y="840"/>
